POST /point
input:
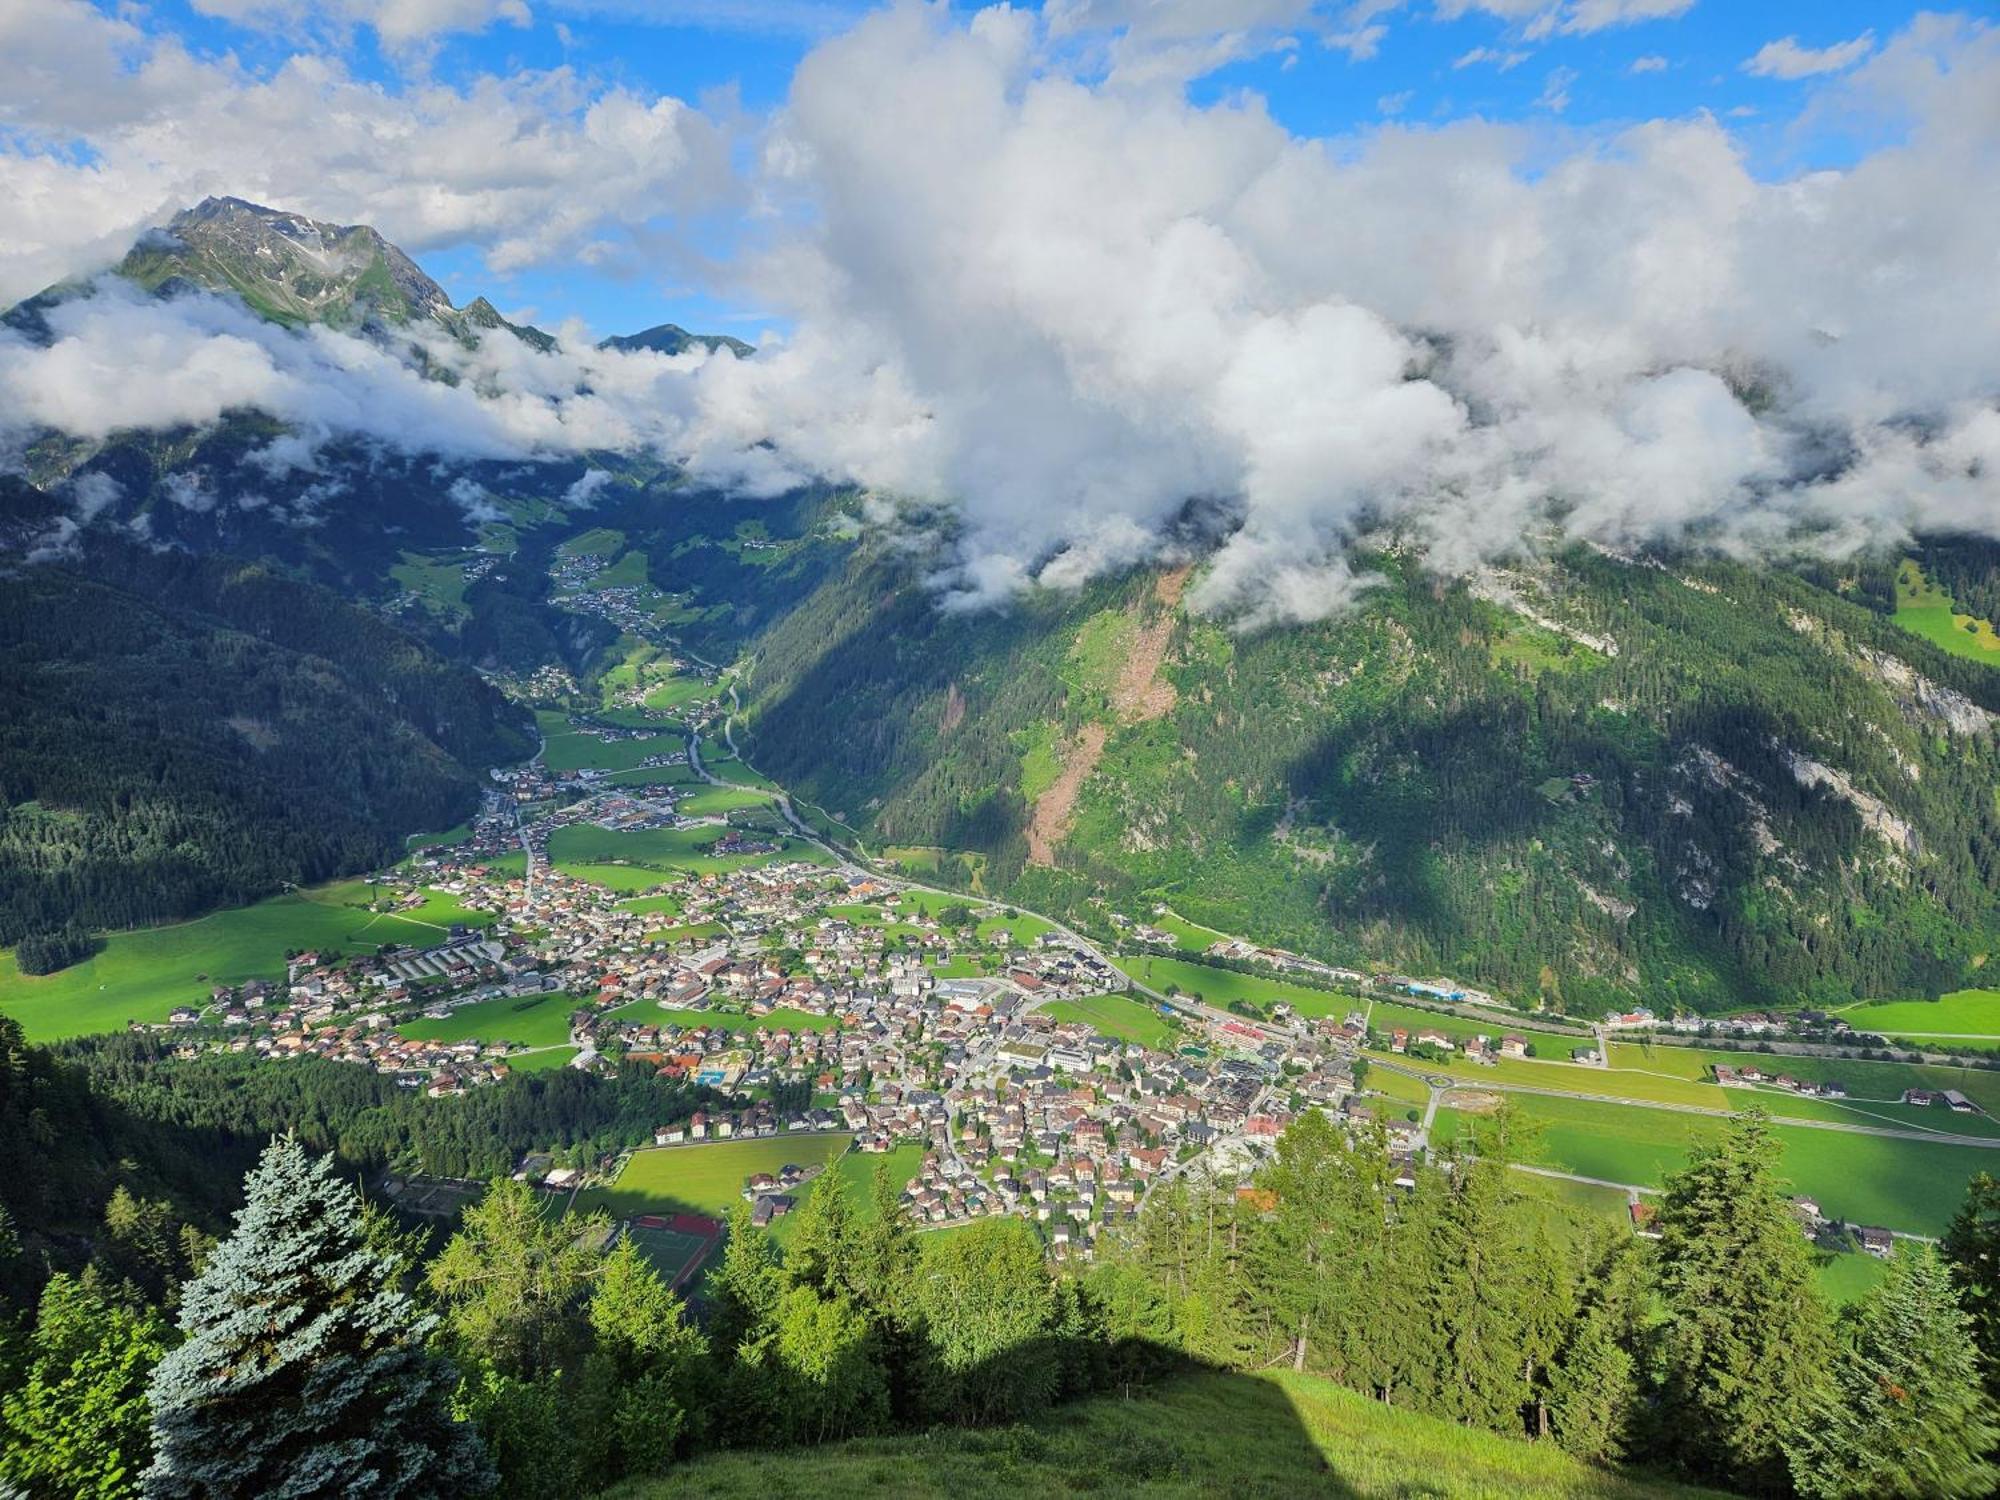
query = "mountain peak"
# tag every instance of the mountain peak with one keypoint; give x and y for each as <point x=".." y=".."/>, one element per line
<point x="671" y="338"/>
<point x="288" y="267"/>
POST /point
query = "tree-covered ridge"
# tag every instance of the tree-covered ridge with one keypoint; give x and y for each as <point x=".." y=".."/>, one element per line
<point x="1595" y="780"/>
<point x="179" y="733"/>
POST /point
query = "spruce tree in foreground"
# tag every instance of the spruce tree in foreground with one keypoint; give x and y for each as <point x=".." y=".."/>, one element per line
<point x="1746" y="1345"/>
<point x="1972" y="1248"/>
<point x="304" y="1370"/>
<point x="1908" y="1415"/>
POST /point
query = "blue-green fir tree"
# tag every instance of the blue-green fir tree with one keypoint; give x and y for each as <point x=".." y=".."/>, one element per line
<point x="305" y="1369"/>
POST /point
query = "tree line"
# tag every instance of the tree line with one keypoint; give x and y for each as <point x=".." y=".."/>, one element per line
<point x="320" y="1347"/>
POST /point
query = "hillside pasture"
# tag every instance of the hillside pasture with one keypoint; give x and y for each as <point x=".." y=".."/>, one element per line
<point x="143" y="974"/>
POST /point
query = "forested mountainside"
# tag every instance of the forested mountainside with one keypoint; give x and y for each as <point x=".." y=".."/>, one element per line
<point x="1592" y="780"/>
<point x="179" y="732"/>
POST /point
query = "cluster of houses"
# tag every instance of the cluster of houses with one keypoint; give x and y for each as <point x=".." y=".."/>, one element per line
<point x="1754" y="1075"/>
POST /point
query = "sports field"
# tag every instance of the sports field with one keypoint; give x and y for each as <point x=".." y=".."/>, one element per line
<point x="1116" y="1016"/>
<point x="531" y="1021"/>
<point x="647" y="906"/>
<point x="676" y="1253"/>
<point x="142" y="975"/>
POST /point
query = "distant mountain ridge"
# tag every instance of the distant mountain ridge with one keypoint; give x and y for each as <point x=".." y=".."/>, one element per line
<point x="671" y="338"/>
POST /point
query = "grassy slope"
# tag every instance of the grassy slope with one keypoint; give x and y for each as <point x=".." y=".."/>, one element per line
<point x="141" y="976"/>
<point x="1908" y="1185"/>
<point x="1926" y="610"/>
<point x="1241" y="1435"/>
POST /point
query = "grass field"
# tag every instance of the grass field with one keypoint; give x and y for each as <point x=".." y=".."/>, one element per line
<point x="704" y="1179"/>
<point x="1117" y="1016"/>
<point x="1865" y="1081"/>
<point x="674" y="775"/>
<point x="650" y="906"/>
<point x="672" y="1253"/>
<point x="666" y="849"/>
<point x="1908" y="1185"/>
<point x="531" y="1021"/>
<point x="617" y="877"/>
<point x="1970" y="1013"/>
<point x="547" y="1060"/>
<point x="714" y="801"/>
<point x="1220" y="986"/>
<point x="142" y="975"/>
<point x="1269" y="1436"/>
<point x="569" y="749"/>
<point x="1926" y="610"/>
<point x="1189" y="937"/>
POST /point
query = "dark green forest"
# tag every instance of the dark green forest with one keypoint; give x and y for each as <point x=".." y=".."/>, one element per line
<point x="178" y="733"/>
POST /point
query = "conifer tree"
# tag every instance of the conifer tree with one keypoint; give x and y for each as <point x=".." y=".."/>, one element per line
<point x="744" y="1289"/>
<point x="513" y="1279"/>
<point x="642" y="1380"/>
<point x="1594" y="1395"/>
<point x="77" y="1422"/>
<point x="1907" y="1415"/>
<point x="1746" y="1345"/>
<point x="821" y="1253"/>
<point x="1972" y="1248"/>
<point x="304" y="1370"/>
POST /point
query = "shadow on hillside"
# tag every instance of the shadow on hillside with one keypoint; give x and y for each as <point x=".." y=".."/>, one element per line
<point x="1051" y="1415"/>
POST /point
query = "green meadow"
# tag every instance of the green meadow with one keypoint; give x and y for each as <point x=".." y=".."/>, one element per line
<point x="1908" y="1185"/>
<point x="1963" y="1013"/>
<point x="662" y="849"/>
<point x="1926" y="610"/>
<point x="1116" y="1016"/>
<point x="570" y="749"/>
<point x="705" y="1178"/>
<point x="143" y="974"/>
<point x="526" y="1021"/>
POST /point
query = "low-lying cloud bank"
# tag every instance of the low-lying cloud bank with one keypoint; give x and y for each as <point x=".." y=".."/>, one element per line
<point x="1072" y="308"/>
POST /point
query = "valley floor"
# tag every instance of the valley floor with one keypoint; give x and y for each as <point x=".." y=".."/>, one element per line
<point x="1247" y="1436"/>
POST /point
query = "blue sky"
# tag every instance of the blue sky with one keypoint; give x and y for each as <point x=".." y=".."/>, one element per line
<point x="1424" y="68"/>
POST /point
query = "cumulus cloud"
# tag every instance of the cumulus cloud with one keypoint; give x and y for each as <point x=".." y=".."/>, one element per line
<point x="113" y="128"/>
<point x="1108" y="326"/>
<point x="1785" y="58"/>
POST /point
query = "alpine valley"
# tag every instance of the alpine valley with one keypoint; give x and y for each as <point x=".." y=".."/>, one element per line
<point x="1586" y="780"/>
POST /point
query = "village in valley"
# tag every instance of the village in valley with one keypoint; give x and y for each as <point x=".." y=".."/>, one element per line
<point x="638" y="897"/>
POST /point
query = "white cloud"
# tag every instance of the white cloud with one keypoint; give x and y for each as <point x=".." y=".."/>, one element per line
<point x="1540" y="19"/>
<point x="1555" y="90"/>
<point x="1785" y="58"/>
<point x="1502" y="58"/>
<point x="1072" y="309"/>
<point x="399" y="23"/>
<point x="1651" y="63"/>
<point x="533" y="168"/>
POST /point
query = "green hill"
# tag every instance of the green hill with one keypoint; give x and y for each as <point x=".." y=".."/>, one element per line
<point x="1240" y="1435"/>
<point x="1593" y="779"/>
